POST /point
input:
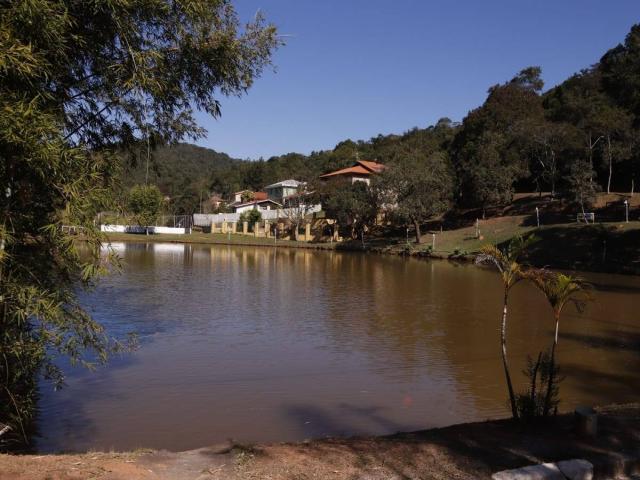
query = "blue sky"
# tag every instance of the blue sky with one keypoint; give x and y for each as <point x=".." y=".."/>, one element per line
<point x="357" y="68"/>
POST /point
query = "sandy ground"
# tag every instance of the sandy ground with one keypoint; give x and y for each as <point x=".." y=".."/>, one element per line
<point x="468" y="451"/>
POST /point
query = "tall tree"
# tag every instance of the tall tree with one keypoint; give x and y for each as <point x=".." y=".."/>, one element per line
<point x="488" y="149"/>
<point x="417" y="187"/>
<point x="352" y="205"/>
<point x="80" y="79"/>
<point x="506" y="262"/>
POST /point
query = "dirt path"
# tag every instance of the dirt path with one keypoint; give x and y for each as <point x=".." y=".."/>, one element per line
<point x="468" y="451"/>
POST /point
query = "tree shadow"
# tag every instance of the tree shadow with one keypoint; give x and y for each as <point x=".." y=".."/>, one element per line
<point x="473" y="450"/>
<point x="594" y="247"/>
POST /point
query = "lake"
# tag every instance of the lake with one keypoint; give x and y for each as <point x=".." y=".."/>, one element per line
<point x="263" y="344"/>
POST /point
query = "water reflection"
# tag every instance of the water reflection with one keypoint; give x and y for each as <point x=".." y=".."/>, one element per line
<point x="261" y="344"/>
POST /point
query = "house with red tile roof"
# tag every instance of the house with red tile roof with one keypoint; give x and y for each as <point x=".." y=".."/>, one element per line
<point x="360" y="171"/>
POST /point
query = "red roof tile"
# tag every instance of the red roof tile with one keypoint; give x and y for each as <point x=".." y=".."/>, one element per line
<point x="260" y="196"/>
<point x="373" y="166"/>
<point x="362" y="167"/>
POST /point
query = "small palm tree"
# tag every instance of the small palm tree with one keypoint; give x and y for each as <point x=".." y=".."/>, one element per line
<point x="559" y="289"/>
<point x="511" y="272"/>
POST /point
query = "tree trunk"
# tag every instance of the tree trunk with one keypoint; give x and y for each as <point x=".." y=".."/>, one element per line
<point x="610" y="163"/>
<point x="552" y="365"/>
<point x="416" y="225"/>
<point x="505" y="364"/>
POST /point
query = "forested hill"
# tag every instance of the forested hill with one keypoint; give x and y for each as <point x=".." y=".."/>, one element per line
<point x="176" y="167"/>
<point x="577" y="138"/>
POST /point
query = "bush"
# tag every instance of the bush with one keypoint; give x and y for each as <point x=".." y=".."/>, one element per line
<point x="537" y="402"/>
<point x="251" y="216"/>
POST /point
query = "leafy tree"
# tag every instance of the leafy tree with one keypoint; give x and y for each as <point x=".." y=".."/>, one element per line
<point x="620" y="69"/>
<point x="80" y="80"/>
<point x="605" y="127"/>
<point x="145" y="203"/>
<point x="488" y="149"/>
<point x="352" y="205"/>
<point x="252" y="216"/>
<point x="511" y="272"/>
<point x="417" y="188"/>
<point x="551" y="143"/>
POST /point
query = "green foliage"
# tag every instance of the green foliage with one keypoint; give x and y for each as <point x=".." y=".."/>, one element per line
<point x="145" y="203"/>
<point x="542" y="396"/>
<point x="582" y="185"/>
<point x="488" y="149"/>
<point x="251" y="216"/>
<point x="416" y="187"/>
<point x="80" y="80"/>
<point x="352" y="205"/>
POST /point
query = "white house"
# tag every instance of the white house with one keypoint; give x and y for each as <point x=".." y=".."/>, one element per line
<point x="281" y="190"/>
<point x="265" y="204"/>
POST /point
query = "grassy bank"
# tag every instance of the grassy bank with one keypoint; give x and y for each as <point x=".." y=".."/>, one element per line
<point x="468" y="451"/>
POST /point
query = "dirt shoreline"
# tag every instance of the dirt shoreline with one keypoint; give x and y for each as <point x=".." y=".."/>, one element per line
<point x="465" y="451"/>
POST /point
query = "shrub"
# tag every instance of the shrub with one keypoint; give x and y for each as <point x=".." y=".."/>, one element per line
<point x="251" y="216"/>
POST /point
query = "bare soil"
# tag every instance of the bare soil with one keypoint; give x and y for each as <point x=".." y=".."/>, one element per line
<point x="468" y="451"/>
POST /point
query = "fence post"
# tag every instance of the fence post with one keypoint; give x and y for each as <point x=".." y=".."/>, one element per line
<point x="213" y="227"/>
<point x="224" y="227"/>
<point x="266" y="229"/>
<point x="234" y="227"/>
<point x="245" y="228"/>
<point x="307" y="232"/>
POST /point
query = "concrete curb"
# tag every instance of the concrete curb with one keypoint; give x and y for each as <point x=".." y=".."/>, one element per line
<point x="565" y="470"/>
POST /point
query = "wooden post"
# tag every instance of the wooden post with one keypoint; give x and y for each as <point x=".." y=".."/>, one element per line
<point x="245" y="228"/>
<point x="213" y="227"/>
<point x="267" y="233"/>
<point x="307" y="232"/>
<point x="224" y="227"/>
<point x="256" y="228"/>
<point x="234" y="227"/>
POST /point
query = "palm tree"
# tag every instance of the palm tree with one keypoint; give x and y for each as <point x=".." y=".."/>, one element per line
<point x="559" y="289"/>
<point x="511" y="272"/>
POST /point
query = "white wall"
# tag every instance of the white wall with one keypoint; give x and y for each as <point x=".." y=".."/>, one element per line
<point x="205" y="219"/>
<point x="138" y="229"/>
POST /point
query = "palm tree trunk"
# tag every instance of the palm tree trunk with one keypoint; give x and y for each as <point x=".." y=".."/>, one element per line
<point x="552" y="364"/>
<point x="505" y="364"/>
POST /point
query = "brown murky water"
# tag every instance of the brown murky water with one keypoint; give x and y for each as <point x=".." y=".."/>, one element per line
<point x="257" y="344"/>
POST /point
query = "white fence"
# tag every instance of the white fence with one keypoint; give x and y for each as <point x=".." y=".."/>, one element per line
<point x="138" y="229"/>
<point x="206" y="219"/>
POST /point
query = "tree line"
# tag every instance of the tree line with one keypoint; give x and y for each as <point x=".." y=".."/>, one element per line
<point x="573" y="140"/>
